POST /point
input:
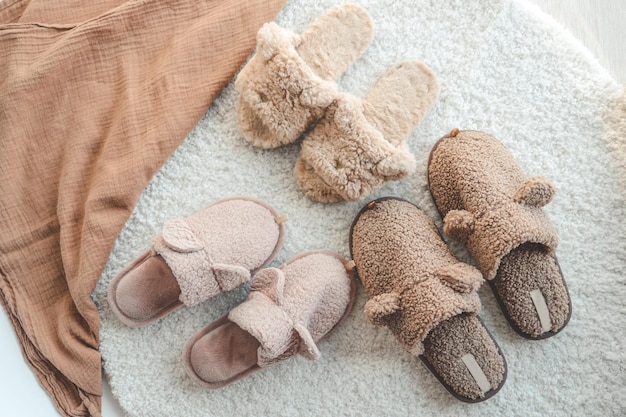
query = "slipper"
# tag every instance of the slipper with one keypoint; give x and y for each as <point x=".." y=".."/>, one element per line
<point x="287" y="311"/>
<point x="214" y="250"/>
<point x="360" y="144"/>
<point x="290" y="80"/>
<point x="490" y="205"/>
<point x="426" y="297"/>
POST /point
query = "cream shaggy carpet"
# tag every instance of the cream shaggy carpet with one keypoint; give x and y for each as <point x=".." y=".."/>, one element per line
<point x="504" y="68"/>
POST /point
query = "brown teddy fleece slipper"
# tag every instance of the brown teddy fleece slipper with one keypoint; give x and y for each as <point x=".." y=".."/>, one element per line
<point x="491" y="206"/>
<point x="214" y="250"/>
<point x="290" y="80"/>
<point x="287" y="311"/>
<point x="360" y="144"/>
<point x="426" y="297"/>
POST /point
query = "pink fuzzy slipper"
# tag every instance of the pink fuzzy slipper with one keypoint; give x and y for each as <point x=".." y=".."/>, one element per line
<point x="194" y="259"/>
<point x="290" y="80"/>
<point x="287" y="311"/>
<point x="490" y="205"/>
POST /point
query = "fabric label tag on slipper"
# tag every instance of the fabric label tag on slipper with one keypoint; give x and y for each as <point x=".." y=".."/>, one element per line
<point x="477" y="373"/>
<point x="542" y="310"/>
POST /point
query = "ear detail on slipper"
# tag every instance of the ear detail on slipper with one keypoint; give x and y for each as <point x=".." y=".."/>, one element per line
<point x="380" y="306"/>
<point x="458" y="224"/>
<point x="307" y="347"/>
<point x="179" y="236"/>
<point x="229" y="277"/>
<point x="461" y="277"/>
<point x="271" y="282"/>
<point x="535" y="191"/>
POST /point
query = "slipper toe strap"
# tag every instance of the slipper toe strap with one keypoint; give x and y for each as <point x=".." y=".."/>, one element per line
<point x="262" y="316"/>
<point x="198" y="277"/>
<point x="491" y="235"/>
<point x="412" y="313"/>
<point x="352" y="155"/>
<point x="279" y="86"/>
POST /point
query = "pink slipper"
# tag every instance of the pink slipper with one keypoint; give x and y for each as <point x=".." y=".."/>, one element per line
<point x="214" y="250"/>
<point x="287" y="311"/>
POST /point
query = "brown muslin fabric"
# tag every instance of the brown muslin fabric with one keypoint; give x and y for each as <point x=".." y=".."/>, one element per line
<point x="93" y="99"/>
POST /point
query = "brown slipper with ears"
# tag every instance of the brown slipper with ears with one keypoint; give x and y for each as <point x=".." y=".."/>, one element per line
<point x="490" y="205"/>
<point x="426" y="297"/>
<point x="288" y="310"/>
<point x="193" y="259"/>
<point x="290" y="80"/>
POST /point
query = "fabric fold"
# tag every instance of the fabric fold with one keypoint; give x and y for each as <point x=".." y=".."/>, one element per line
<point x="89" y="110"/>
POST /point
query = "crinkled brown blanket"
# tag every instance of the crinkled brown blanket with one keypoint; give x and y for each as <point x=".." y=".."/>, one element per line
<point x="93" y="100"/>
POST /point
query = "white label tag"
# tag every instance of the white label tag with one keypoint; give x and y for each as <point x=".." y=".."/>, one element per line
<point x="477" y="373"/>
<point x="542" y="310"/>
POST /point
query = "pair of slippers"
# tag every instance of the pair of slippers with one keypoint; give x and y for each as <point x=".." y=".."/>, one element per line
<point x="429" y="299"/>
<point x="417" y="288"/>
<point x="221" y="247"/>
<point x="357" y="144"/>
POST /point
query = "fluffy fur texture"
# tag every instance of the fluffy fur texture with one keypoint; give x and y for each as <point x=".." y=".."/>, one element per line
<point x="359" y="145"/>
<point x="415" y="284"/>
<point x="475" y="179"/>
<point x="215" y="249"/>
<point x="535" y="192"/>
<point x="211" y="251"/>
<point x="527" y="268"/>
<point x="289" y="81"/>
<point x="287" y="310"/>
<point x="503" y="67"/>
<point x="451" y="340"/>
<point x="490" y="205"/>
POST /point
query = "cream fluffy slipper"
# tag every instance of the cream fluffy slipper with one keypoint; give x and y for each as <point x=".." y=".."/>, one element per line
<point x="360" y="144"/>
<point x="290" y="80"/>
<point x="194" y="259"/>
<point x="491" y="206"/>
<point x="426" y="297"/>
<point x="287" y="311"/>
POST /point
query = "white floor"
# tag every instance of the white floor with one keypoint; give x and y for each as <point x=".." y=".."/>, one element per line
<point x="598" y="25"/>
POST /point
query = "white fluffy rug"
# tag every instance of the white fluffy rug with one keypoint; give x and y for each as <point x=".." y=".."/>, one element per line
<point x="504" y="68"/>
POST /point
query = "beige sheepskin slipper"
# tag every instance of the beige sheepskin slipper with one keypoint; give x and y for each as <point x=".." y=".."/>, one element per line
<point x="287" y="311"/>
<point x="290" y="80"/>
<point x="193" y="259"/>
<point x="490" y="205"/>
<point x="426" y="297"/>
<point x="360" y="144"/>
